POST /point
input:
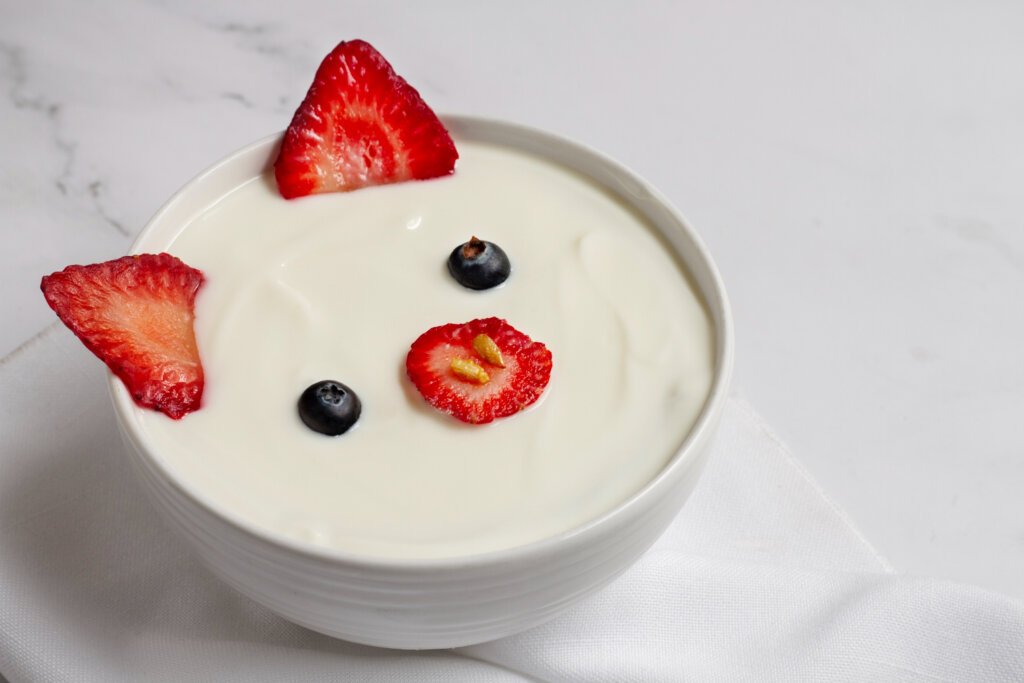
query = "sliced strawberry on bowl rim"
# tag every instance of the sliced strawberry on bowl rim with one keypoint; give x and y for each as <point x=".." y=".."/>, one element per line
<point x="480" y="370"/>
<point x="360" y="124"/>
<point x="136" y="314"/>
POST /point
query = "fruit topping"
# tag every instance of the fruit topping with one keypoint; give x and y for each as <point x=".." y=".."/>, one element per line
<point x="441" y="361"/>
<point x="136" y="313"/>
<point x="478" y="264"/>
<point x="488" y="350"/>
<point x="360" y="124"/>
<point x="329" y="407"/>
<point x="469" y="370"/>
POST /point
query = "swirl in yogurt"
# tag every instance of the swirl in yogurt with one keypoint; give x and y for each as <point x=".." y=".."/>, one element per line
<point x="339" y="285"/>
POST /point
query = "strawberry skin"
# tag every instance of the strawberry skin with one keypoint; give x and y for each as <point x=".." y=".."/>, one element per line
<point x="135" y="313"/>
<point x="526" y="371"/>
<point x="361" y="124"/>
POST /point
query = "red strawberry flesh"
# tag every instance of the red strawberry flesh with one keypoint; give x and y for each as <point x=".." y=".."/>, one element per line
<point x="510" y="389"/>
<point x="360" y="124"/>
<point x="136" y="314"/>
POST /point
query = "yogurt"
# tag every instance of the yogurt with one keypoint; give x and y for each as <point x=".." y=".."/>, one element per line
<point x="338" y="286"/>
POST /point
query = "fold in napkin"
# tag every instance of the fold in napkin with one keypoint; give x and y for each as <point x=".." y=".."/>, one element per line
<point x="759" y="578"/>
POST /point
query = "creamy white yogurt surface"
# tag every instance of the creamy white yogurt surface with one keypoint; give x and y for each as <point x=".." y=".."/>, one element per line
<point x="338" y="286"/>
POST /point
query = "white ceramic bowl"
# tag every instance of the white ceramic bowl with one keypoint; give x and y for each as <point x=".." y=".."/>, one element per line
<point x="439" y="603"/>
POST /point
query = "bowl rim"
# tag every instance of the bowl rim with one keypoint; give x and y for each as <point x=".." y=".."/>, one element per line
<point x="715" y="300"/>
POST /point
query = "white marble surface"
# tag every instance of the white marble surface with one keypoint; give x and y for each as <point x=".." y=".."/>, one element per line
<point x="856" y="168"/>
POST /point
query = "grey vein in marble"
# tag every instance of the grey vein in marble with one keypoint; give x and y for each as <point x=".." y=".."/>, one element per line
<point x="29" y="343"/>
<point x="984" y="234"/>
<point x="95" y="189"/>
<point x="53" y="111"/>
<point x="264" y="39"/>
<point x="238" y="97"/>
<point x="18" y="74"/>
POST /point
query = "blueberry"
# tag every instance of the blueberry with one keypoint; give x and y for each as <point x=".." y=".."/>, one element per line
<point x="329" y="407"/>
<point x="479" y="265"/>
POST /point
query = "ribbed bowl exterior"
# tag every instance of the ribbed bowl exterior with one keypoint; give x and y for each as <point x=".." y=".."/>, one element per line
<point x="413" y="607"/>
<point x="450" y="602"/>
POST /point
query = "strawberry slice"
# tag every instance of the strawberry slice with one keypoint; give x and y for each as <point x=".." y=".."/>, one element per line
<point x="361" y="124"/>
<point x="135" y="313"/>
<point x="480" y="370"/>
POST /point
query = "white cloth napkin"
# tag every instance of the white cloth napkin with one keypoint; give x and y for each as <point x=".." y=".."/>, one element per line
<point x="759" y="578"/>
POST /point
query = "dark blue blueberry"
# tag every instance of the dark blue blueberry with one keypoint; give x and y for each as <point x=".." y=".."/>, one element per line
<point x="479" y="265"/>
<point x="329" y="407"/>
